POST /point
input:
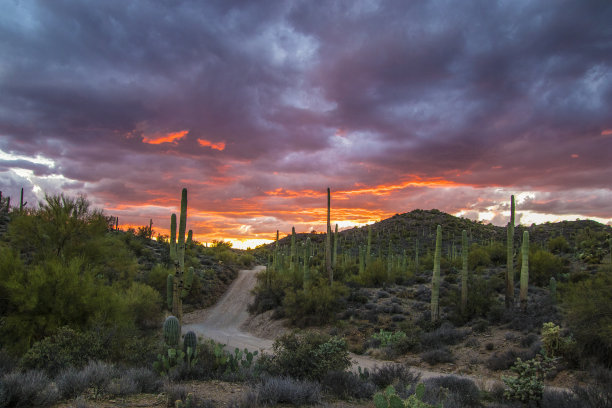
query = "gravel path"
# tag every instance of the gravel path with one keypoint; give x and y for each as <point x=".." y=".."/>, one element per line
<point x="225" y="324"/>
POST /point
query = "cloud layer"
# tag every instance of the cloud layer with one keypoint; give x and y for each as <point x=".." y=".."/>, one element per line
<point x="257" y="107"/>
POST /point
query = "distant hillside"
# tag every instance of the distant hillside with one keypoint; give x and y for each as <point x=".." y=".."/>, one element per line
<point x="417" y="228"/>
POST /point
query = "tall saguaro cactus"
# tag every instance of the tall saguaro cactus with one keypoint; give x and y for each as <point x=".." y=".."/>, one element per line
<point x="292" y="256"/>
<point x="177" y="254"/>
<point x="307" y="278"/>
<point x="335" y="250"/>
<point x="524" y="271"/>
<point x="435" y="279"/>
<point x="510" y="258"/>
<point x="328" y="250"/>
<point x="368" y="253"/>
<point x="464" y="271"/>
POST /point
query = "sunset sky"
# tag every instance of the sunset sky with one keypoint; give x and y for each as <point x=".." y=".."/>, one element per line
<point x="257" y="107"/>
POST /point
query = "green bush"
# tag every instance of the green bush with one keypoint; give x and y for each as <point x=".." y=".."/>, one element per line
<point x="389" y="339"/>
<point x="588" y="311"/>
<point x="542" y="266"/>
<point x="315" y="306"/>
<point x="66" y="348"/>
<point x="558" y="245"/>
<point x="529" y="382"/>
<point x="306" y="355"/>
<point x="478" y="257"/>
<point x="144" y="305"/>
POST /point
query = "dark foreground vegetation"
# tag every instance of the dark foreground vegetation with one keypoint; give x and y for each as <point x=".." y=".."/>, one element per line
<point x="82" y="306"/>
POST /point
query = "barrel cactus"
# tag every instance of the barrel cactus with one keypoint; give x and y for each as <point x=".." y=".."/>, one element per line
<point x="190" y="342"/>
<point x="172" y="331"/>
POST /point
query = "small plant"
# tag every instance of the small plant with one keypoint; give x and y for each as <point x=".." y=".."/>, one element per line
<point x="165" y="363"/>
<point x="389" y="399"/>
<point x="239" y="359"/>
<point x="553" y="343"/>
<point x="529" y="383"/>
<point x="387" y="338"/>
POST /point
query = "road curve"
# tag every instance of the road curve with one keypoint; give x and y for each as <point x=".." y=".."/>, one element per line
<point x="223" y="322"/>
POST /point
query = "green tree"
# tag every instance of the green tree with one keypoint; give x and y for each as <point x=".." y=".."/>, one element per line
<point x="588" y="310"/>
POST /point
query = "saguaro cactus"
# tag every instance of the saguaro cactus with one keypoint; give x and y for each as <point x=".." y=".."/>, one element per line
<point x="307" y="266"/>
<point x="510" y="258"/>
<point x="369" y="247"/>
<point x="525" y="271"/>
<point x="328" y="252"/>
<point x="179" y="257"/>
<point x="464" y="271"/>
<point x="293" y="255"/>
<point x="435" y="279"/>
<point x="335" y="251"/>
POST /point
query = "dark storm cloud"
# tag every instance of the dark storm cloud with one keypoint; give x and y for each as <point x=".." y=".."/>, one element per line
<point x="299" y="95"/>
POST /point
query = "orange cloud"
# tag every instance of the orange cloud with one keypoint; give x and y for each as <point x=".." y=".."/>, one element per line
<point x="606" y="132"/>
<point x="575" y="156"/>
<point x="220" y="146"/>
<point x="167" y="138"/>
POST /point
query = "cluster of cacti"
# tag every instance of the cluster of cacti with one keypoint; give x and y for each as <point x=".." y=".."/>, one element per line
<point x="174" y="355"/>
<point x="524" y="271"/>
<point x="510" y="258"/>
<point x="435" y="279"/>
<point x="181" y="281"/>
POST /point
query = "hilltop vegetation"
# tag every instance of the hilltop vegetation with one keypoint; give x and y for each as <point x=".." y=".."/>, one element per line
<point x="382" y="275"/>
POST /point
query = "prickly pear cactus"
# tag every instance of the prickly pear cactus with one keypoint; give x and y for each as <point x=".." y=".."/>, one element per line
<point x="172" y="331"/>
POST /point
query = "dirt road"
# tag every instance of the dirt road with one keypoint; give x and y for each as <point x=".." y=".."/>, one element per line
<point x="223" y="322"/>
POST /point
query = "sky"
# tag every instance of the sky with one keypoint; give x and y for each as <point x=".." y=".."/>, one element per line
<point x="257" y="107"/>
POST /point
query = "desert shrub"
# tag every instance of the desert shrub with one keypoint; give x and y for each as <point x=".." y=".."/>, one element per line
<point x="7" y="362"/>
<point x="481" y="297"/>
<point x="144" y="305"/>
<point x="374" y="274"/>
<point x="560" y="399"/>
<point x="505" y="360"/>
<point x="542" y="266"/>
<point x="446" y="334"/>
<point x="146" y="380"/>
<point x="27" y="389"/>
<point x="436" y="356"/>
<point x="393" y="374"/>
<point x="306" y="355"/>
<point x="274" y="390"/>
<point x="497" y="253"/>
<point x="554" y="343"/>
<point x="71" y="382"/>
<point x="558" y="245"/>
<point x="315" y="306"/>
<point x="345" y="384"/>
<point x="174" y="391"/>
<point x="387" y="338"/>
<point x="588" y="311"/>
<point x="66" y="348"/>
<point x="529" y="382"/>
<point x="461" y="391"/>
<point x="157" y="276"/>
<point x="246" y="260"/>
<point x="478" y="257"/>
